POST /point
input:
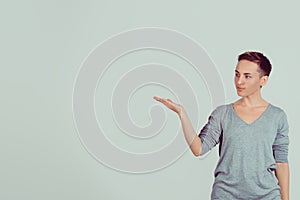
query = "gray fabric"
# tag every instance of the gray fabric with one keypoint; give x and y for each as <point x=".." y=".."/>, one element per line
<point x="248" y="153"/>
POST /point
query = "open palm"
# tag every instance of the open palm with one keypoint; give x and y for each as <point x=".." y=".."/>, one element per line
<point x="170" y="104"/>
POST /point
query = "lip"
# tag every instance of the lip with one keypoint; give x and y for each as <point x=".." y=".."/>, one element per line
<point x="240" y="89"/>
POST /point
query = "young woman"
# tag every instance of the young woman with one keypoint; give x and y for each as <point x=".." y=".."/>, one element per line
<point x="252" y="134"/>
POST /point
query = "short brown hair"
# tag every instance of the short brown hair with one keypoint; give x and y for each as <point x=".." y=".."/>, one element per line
<point x="260" y="59"/>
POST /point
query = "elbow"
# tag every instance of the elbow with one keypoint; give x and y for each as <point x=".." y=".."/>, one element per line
<point x="197" y="153"/>
<point x="196" y="147"/>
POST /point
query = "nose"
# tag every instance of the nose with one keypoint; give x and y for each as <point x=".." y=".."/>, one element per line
<point x="240" y="80"/>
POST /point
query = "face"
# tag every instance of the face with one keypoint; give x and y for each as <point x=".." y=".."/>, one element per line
<point x="247" y="78"/>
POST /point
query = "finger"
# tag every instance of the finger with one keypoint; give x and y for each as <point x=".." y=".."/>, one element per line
<point x="170" y="100"/>
<point x="157" y="98"/>
<point x="162" y="100"/>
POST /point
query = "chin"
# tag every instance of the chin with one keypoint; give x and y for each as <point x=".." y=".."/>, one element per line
<point x="240" y="94"/>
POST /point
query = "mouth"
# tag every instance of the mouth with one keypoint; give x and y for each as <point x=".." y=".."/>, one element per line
<point x="239" y="89"/>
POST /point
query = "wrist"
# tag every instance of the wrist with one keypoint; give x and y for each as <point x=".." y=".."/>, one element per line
<point x="181" y="112"/>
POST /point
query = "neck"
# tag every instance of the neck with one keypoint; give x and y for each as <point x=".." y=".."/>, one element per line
<point x="253" y="100"/>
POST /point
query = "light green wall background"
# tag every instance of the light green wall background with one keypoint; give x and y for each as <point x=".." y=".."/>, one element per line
<point x="42" y="46"/>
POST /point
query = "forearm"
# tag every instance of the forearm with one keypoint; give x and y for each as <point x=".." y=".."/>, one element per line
<point x="282" y="173"/>
<point x="190" y="135"/>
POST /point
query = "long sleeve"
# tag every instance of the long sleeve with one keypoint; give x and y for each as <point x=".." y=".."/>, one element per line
<point x="281" y="143"/>
<point x="211" y="132"/>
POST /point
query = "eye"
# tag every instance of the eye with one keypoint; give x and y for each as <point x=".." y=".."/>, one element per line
<point x="237" y="74"/>
<point x="247" y="76"/>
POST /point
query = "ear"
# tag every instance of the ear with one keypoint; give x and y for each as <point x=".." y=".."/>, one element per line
<point x="263" y="80"/>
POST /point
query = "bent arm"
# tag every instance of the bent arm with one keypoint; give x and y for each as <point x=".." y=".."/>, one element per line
<point x="190" y="135"/>
<point x="280" y="151"/>
<point x="282" y="173"/>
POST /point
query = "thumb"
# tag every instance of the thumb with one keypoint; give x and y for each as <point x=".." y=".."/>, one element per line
<point x="170" y="100"/>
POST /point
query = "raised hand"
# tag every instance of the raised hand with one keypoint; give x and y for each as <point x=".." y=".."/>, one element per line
<point x="170" y="104"/>
<point x="190" y="135"/>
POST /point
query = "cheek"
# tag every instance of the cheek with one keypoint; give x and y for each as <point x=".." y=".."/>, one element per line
<point x="253" y="83"/>
<point x="236" y="79"/>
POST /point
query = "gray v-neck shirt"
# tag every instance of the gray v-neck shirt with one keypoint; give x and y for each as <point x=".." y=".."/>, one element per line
<point x="248" y="152"/>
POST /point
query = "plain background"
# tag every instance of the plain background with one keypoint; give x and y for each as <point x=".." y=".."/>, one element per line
<point x="42" y="46"/>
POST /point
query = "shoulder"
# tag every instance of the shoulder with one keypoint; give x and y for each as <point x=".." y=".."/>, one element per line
<point x="277" y="110"/>
<point x="279" y="115"/>
<point x="221" y="109"/>
<point x="281" y="120"/>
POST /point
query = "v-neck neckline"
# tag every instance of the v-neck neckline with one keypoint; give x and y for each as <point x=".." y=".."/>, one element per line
<point x="257" y="119"/>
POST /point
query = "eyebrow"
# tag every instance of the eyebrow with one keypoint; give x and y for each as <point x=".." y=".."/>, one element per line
<point x="244" y="73"/>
